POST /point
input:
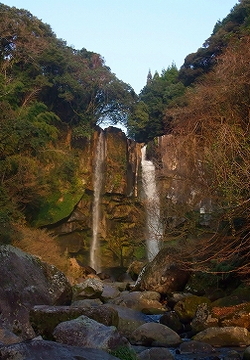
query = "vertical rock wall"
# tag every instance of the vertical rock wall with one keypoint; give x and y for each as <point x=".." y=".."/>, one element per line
<point x="122" y="214"/>
<point x="179" y="162"/>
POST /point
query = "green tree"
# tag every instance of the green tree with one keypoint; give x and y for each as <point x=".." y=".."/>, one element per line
<point x="197" y="64"/>
<point x="74" y="84"/>
<point x="147" y="118"/>
<point x="48" y="91"/>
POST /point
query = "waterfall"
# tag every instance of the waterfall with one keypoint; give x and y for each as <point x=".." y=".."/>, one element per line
<point x="95" y="259"/>
<point x="153" y="223"/>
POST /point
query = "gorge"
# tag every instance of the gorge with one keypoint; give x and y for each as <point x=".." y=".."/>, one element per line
<point x="194" y="122"/>
<point x="119" y="217"/>
<point x="155" y="220"/>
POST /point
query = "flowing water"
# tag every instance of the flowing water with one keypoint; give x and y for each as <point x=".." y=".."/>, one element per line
<point x="152" y="204"/>
<point x="95" y="259"/>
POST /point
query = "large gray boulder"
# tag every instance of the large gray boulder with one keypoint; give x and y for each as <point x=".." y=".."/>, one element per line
<point x="48" y="350"/>
<point x="195" y="347"/>
<point x="26" y="281"/>
<point x="162" y="274"/>
<point x="110" y="291"/>
<point x="153" y="334"/>
<point x="87" y="332"/>
<point x="128" y="319"/>
<point x="90" y="288"/>
<point x="45" y="318"/>
<point x="87" y="303"/>
<point x="156" y="353"/>
<point x="146" y="301"/>
<point x="7" y="337"/>
<point x="224" y="336"/>
<point x="246" y="354"/>
<point x="171" y="319"/>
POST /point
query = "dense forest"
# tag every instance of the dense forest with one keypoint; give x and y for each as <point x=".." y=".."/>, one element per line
<point x="49" y="90"/>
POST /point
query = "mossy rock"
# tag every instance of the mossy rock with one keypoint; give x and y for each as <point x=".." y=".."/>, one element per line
<point x="226" y="336"/>
<point x="187" y="307"/>
<point x="225" y="301"/>
<point x="242" y="292"/>
<point x="44" y="319"/>
<point x="202" y="284"/>
<point x="124" y="353"/>
<point x="56" y="207"/>
<point x="238" y="296"/>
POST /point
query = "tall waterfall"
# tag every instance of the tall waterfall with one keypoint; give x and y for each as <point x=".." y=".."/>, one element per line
<point x="153" y="225"/>
<point x="95" y="259"/>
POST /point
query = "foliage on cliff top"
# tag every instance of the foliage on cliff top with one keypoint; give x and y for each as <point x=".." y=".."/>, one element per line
<point x="163" y="91"/>
<point x="76" y="85"/>
<point x="49" y="92"/>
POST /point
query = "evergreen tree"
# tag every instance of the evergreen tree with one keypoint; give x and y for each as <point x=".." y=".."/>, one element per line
<point x="147" y="117"/>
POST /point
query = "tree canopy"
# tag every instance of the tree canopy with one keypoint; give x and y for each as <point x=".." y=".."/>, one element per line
<point x="146" y="120"/>
<point x="201" y="62"/>
<point x="47" y="89"/>
<point x="74" y="84"/>
<point x="161" y="92"/>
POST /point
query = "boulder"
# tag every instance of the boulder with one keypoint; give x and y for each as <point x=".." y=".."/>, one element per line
<point x="162" y="274"/>
<point x="87" y="332"/>
<point x="203" y="318"/>
<point x="233" y="355"/>
<point x="205" y="284"/>
<point x="156" y="353"/>
<point x="187" y="307"/>
<point x="91" y="288"/>
<point x="110" y="291"/>
<point x="226" y="336"/>
<point x="45" y="350"/>
<point x="87" y="303"/>
<point x="128" y="319"/>
<point x="27" y="281"/>
<point x="7" y="337"/>
<point x="238" y="296"/>
<point x="173" y="298"/>
<point x="171" y="319"/>
<point x="246" y="354"/>
<point x="145" y="301"/>
<point x="153" y="334"/>
<point x="195" y="347"/>
<point x="44" y="318"/>
<point x="224" y="316"/>
<point x="121" y="286"/>
<point x="237" y="315"/>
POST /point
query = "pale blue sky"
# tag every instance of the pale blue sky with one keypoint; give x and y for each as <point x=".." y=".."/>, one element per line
<point x="133" y="36"/>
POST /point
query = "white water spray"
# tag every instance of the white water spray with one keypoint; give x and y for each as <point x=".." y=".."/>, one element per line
<point x="153" y="225"/>
<point x="95" y="259"/>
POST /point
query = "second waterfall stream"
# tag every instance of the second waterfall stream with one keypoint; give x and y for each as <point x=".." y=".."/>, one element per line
<point x="152" y="205"/>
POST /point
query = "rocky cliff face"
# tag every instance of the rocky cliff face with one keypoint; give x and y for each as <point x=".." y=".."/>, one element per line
<point x="121" y="213"/>
<point x="179" y="162"/>
<point x="121" y="230"/>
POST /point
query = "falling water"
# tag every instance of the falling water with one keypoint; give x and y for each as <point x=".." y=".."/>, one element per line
<point x="95" y="260"/>
<point x="153" y="225"/>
